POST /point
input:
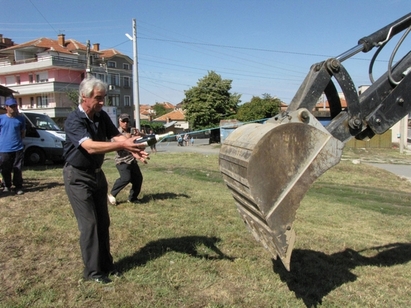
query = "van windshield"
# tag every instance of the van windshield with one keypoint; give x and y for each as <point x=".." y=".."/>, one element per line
<point x="42" y="121"/>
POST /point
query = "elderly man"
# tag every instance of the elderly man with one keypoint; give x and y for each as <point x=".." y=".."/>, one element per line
<point x="88" y="133"/>
<point x="12" y="132"/>
<point x="127" y="166"/>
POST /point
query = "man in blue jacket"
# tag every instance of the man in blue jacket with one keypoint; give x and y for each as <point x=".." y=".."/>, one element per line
<point x="12" y="132"/>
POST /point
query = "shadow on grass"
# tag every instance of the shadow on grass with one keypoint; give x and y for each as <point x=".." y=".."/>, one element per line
<point x="46" y="166"/>
<point x="36" y="186"/>
<point x="185" y="244"/>
<point x="314" y="274"/>
<point x="163" y="196"/>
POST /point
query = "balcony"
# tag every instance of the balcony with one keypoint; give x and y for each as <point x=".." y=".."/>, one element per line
<point x="43" y="87"/>
<point x="33" y="64"/>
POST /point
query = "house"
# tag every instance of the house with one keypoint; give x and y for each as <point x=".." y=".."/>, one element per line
<point x="5" y="42"/>
<point x="169" y="106"/>
<point x="46" y="72"/>
<point x="174" y="121"/>
<point x="147" y="112"/>
<point x="115" y="68"/>
<point x="283" y="106"/>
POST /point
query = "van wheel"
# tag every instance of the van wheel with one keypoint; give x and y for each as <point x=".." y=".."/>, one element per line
<point x="35" y="156"/>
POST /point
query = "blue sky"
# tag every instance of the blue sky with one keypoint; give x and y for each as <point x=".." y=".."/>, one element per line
<point x="263" y="46"/>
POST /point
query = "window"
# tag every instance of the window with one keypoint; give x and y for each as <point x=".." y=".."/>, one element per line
<point x="32" y="102"/>
<point x="127" y="101"/>
<point x="10" y="80"/>
<point x="114" y="100"/>
<point x="114" y="79"/>
<point x="42" y="77"/>
<point x="101" y="77"/>
<point x="31" y="78"/>
<point x="111" y="64"/>
<point x="126" y="66"/>
<point x="42" y="102"/>
<point x="18" y="80"/>
<point x="126" y="82"/>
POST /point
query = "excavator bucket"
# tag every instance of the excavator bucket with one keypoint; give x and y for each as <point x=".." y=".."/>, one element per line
<point x="269" y="167"/>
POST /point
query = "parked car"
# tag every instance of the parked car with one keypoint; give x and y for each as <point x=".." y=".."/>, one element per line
<point x="44" y="139"/>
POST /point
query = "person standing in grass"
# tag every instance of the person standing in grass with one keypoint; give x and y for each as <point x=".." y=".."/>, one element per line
<point x="12" y="132"/>
<point x="153" y="146"/>
<point x="89" y="130"/>
<point x="127" y="166"/>
<point x="185" y="139"/>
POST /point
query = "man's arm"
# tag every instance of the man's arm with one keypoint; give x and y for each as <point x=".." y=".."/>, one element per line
<point x="23" y="128"/>
<point x="119" y="142"/>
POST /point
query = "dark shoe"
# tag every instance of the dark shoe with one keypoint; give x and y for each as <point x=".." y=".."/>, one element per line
<point x="100" y="279"/>
<point x="136" y="201"/>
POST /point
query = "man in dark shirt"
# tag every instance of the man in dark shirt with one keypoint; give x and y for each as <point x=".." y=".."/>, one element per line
<point x="88" y="133"/>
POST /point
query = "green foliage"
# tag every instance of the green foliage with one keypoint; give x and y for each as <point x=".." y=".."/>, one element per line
<point x="157" y="128"/>
<point x="259" y="108"/>
<point x="160" y="109"/>
<point x="73" y="96"/>
<point x="210" y="101"/>
<point x="108" y="102"/>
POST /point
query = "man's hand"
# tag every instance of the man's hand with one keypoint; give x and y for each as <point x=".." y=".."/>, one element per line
<point x="142" y="156"/>
<point x="137" y="149"/>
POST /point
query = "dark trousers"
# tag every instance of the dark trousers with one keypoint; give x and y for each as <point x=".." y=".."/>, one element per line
<point x="12" y="162"/>
<point x="87" y="193"/>
<point x="129" y="173"/>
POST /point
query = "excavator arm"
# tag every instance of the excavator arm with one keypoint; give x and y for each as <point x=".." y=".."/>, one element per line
<point x="269" y="167"/>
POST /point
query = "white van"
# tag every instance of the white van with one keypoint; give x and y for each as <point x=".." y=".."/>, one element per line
<point x="44" y="139"/>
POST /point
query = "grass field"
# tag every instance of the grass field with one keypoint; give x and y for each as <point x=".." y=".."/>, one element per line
<point x="186" y="245"/>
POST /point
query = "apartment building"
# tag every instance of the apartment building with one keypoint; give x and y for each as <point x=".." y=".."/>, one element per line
<point x="45" y="74"/>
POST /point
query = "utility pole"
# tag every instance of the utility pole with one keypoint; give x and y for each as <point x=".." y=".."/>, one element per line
<point x="136" y="97"/>
<point x="88" y="68"/>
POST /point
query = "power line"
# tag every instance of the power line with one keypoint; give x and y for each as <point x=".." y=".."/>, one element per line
<point x="236" y="47"/>
<point x="43" y="17"/>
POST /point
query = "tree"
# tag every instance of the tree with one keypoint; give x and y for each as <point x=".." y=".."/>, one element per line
<point x="259" y="108"/>
<point x="160" y="109"/>
<point x="73" y="97"/>
<point x="209" y="102"/>
<point x="158" y="128"/>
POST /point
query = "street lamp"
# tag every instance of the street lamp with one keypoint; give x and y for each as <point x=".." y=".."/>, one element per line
<point x="136" y="97"/>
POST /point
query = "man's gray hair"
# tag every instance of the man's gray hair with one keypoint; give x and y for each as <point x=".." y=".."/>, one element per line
<point x="88" y="85"/>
